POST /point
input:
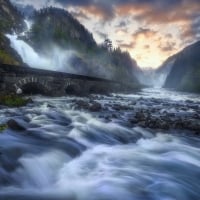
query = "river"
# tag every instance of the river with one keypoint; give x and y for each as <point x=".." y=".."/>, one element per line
<point x="68" y="152"/>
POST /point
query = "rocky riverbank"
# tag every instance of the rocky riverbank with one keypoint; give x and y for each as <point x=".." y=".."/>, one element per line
<point x="147" y="113"/>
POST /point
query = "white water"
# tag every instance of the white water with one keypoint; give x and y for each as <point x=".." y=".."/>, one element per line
<point x="74" y="155"/>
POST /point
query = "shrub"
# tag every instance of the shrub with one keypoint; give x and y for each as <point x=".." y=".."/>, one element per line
<point x="13" y="101"/>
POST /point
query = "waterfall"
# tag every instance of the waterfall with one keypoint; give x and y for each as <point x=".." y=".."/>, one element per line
<point x="57" y="60"/>
<point x="27" y="53"/>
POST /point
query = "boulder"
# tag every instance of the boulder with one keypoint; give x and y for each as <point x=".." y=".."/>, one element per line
<point x="95" y="107"/>
<point x="80" y="104"/>
<point x="14" y="125"/>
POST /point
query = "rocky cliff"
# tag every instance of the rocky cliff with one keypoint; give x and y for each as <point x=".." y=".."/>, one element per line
<point x="185" y="72"/>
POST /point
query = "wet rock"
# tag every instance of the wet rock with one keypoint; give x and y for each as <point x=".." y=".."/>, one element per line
<point x="29" y="100"/>
<point x="189" y="101"/>
<point x="50" y="106"/>
<point x="194" y="107"/>
<point x="95" y="107"/>
<point x="171" y="114"/>
<point x="116" y="107"/>
<point x="80" y="104"/>
<point x="196" y="116"/>
<point x="114" y="116"/>
<point x="14" y="125"/>
<point x="119" y="107"/>
<point x="194" y="125"/>
<point x="142" y="124"/>
<point x="164" y="125"/>
<point x="133" y="121"/>
<point x="166" y="104"/>
<point x="140" y="116"/>
<point x="133" y="103"/>
<point x="107" y="118"/>
<point x="178" y="125"/>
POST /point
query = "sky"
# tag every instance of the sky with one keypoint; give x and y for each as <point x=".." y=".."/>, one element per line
<point x="150" y="30"/>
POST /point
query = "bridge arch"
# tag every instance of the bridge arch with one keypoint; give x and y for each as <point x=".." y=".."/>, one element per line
<point x="32" y="85"/>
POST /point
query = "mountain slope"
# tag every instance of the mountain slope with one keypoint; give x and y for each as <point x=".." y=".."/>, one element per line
<point x="185" y="73"/>
<point x="10" y="20"/>
<point x="58" y="26"/>
<point x="163" y="71"/>
<point x="55" y="27"/>
<point x="56" y="38"/>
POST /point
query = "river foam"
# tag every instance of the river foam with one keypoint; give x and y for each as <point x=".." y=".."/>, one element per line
<point x="75" y="155"/>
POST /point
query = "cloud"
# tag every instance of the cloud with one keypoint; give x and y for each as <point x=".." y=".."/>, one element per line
<point x="146" y="32"/>
<point x="80" y="15"/>
<point x="127" y="46"/>
<point x="168" y="46"/>
<point x="122" y="24"/>
<point x="147" y="46"/>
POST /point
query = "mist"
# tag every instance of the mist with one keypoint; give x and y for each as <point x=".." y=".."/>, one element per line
<point x="156" y="77"/>
<point x="57" y="60"/>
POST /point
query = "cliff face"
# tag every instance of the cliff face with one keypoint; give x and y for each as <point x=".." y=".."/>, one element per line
<point x="185" y="73"/>
<point x="10" y="21"/>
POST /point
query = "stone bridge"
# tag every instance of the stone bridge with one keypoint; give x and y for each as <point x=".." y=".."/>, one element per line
<point x="17" y="79"/>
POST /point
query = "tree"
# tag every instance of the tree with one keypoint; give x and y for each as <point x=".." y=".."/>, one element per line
<point x="108" y="44"/>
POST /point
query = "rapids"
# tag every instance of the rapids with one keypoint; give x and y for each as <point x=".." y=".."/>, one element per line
<point x="71" y="154"/>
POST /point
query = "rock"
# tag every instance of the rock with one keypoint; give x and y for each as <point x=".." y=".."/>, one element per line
<point x="179" y="124"/>
<point x="114" y="116"/>
<point x="140" y="116"/>
<point x="189" y="101"/>
<point x="95" y="107"/>
<point x="171" y="114"/>
<point x="133" y="121"/>
<point x="119" y="107"/>
<point x="164" y="125"/>
<point x="116" y="107"/>
<point x="14" y="125"/>
<point x="194" y="125"/>
<point x="142" y="124"/>
<point x="80" y="104"/>
<point x="133" y="102"/>
<point x="194" y="107"/>
<point x="196" y="116"/>
<point x="50" y="106"/>
<point x="29" y="100"/>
